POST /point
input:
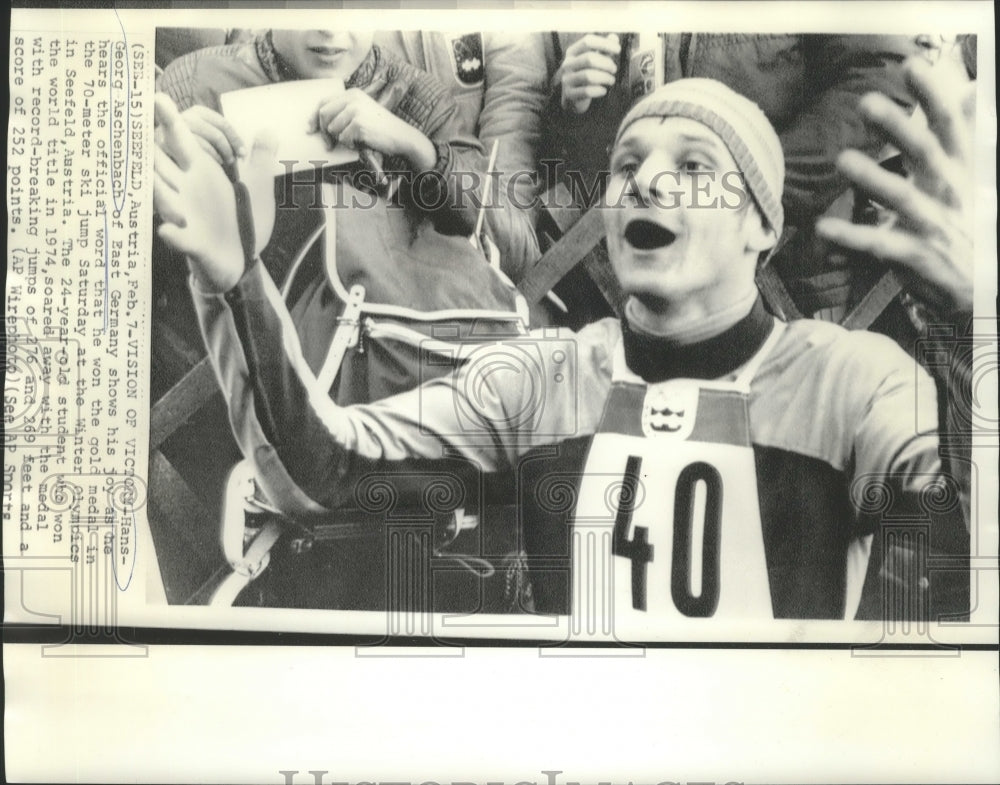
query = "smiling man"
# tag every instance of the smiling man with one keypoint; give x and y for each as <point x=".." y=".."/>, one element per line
<point x="698" y="460"/>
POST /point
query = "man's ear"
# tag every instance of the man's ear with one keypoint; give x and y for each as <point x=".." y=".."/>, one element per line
<point x="759" y="236"/>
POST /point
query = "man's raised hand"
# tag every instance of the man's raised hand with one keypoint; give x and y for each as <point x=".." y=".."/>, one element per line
<point x="930" y="244"/>
<point x="194" y="196"/>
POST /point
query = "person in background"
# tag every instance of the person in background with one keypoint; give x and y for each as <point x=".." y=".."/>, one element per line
<point x="500" y="83"/>
<point x="390" y="107"/>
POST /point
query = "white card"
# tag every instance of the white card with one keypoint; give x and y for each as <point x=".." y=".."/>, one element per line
<point x="284" y="110"/>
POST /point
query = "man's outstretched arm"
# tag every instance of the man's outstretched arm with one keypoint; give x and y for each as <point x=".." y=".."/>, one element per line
<point x="305" y="447"/>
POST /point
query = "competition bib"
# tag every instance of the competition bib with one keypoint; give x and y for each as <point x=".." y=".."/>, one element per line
<point x="667" y="532"/>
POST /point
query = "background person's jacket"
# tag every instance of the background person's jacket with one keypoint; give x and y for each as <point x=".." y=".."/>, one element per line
<point x="500" y="82"/>
<point x="411" y="94"/>
<point x="807" y="85"/>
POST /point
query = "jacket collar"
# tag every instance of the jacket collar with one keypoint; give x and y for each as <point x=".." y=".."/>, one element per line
<point x="658" y="359"/>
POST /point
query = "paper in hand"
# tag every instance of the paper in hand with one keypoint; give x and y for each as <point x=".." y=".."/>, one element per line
<point x="284" y="110"/>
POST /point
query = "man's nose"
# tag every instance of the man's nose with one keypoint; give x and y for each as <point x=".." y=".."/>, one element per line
<point x="650" y="181"/>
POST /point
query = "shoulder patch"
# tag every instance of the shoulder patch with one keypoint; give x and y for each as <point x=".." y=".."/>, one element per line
<point x="467" y="59"/>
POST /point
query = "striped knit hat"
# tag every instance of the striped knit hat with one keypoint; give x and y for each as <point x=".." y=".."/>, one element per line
<point x="739" y="122"/>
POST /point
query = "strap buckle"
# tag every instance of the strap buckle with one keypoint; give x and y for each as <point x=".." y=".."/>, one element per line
<point x="345" y="337"/>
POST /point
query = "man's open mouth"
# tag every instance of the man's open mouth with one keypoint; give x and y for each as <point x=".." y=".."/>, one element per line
<point x="647" y="235"/>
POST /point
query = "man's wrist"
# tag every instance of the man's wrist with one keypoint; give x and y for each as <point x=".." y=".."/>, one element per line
<point x="419" y="151"/>
<point x="221" y="279"/>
